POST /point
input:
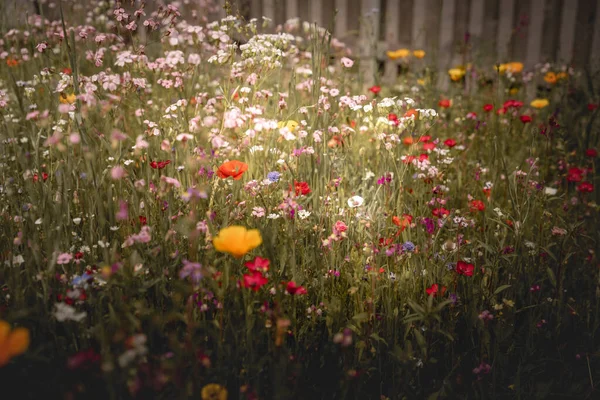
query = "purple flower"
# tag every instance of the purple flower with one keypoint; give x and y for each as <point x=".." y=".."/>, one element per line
<point x="408" y="247"/>
<point x="273" y="176"/>
<point x="192" y="270"/>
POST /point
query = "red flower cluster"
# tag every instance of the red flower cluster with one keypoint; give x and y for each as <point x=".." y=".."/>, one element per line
<point x="159" y="164"/>
<point x="301" y="188"/>
<point x="585" y="187"/>
<point x="440" y="212"/>
<point x="445" y="103"/>
<point x="476" y="205"/>
<point x="463" y="268"/>
<point x="450" y="142"/>
<point x="375" y="89"/>
<point x="255" y="279"/>
<point x="294" y="289"/>
<point x="435" y="290"/>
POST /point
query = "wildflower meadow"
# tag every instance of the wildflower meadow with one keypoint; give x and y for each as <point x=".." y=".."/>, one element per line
<point x="228" y="209"/>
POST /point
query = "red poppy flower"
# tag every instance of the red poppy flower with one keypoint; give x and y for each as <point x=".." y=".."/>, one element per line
<point x="143" y="220"/>
<point x="425" y="138"/>
<point x="488" y="107"/>
<point x="423" y="157"/>
<point x="512" y="104"/>
<point x="258" y="264"/>
<point x="159" y="164"/>
<point x="575" y="174"/>
<point x="435" y="290"/>
<point x="375" y="89"/>
<point x="301" y="188"/>
<point x="44" y="176"/>
<point x="440" y="212"/>
<point x="445" y="103"/>
<point x="487" y="192"/>
<point x="592" y="107"/>
<point x="476" y="205"/>
<point x="409" y="159"/>
<point x="525" y="119"/>
<point x="293" y="289"/>
<point x="592" y="153"/>
<point x="393" y="117"/>
<point x="463" y="268"/>
<point x="254" y="280"/>
<point x="501" y="111"/>
<point x="67" y="71"/>
<point x="233" y="168"/>
<point x="403" y="222"/>
<point x="450" y="142"/>
<point x="428" y="146"/>
<point x="585" y="187"/>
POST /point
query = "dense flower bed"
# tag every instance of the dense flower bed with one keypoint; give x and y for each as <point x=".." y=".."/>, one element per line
<point x="224" y="210"/>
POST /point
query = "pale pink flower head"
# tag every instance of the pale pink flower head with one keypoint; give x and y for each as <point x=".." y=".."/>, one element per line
<point x="347" y="62"/>
<point x="340" y="227"/>
<point x="64" y="258"/>
<point x="118" y="173"/>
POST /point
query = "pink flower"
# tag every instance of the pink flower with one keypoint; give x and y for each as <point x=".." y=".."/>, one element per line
<point x="340" y="227"/>
<point x="64" y="258"/>
<point x="118" y="173"/>
<point x="346" y="62"/>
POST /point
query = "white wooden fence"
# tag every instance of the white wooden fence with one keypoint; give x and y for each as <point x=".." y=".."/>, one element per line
<point x="529" y="31"/>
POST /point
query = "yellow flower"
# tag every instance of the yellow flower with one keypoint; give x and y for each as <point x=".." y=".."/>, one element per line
<point x="67" y="98"/>
<point x="237" y="240"/>
<point x="456" y="74"/>
<point x="539" y="103"/>
<point x="512" y="67"/>
<point x="562" y="75"/>
<point x="550" y="77"/>
<point x="513" y="91"/>
<point x="419" y="53"/>
<point x="421" y="82"/>
<point x="12" y="343"/>
<point x="213" y="391"/>
<point x="290" y="124"/>
<point x="400" y="53"/>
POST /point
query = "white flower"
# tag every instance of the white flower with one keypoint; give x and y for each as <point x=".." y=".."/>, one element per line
<point x="355" y="201"/>
<point x="303" y="214"/>
<point x="65" y="312"/>
<point x="550" y="191"/>
<point x="273" y="216"/>
<point x="346" y="62"/>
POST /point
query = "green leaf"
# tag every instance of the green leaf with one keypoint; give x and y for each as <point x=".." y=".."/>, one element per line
<point x="501" y="289"/>
<point x="551" y="276"/>
<point x="378" y="338"/>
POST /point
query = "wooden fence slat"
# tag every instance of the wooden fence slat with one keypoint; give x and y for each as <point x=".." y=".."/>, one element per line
<point x="256" y="9"/>
<point x="291" y="9"/>
<point x="584" y="32"/>
<point x="268" y="9"/>
<point x="341" y="19"/>
<point x="505" y="29"/>
<point x="418" y="31"/>
<point x="316" y="12"/>
<point x="446" y="41"/>
<point x="391" y="38"/>
<point x="534" y="40"/>
<point x="369" y="32"/>
<point x="595" y="50"/>
<point x="476" y="15"/>
<point x="551" y="30"/>
<point x="567" y="30"/>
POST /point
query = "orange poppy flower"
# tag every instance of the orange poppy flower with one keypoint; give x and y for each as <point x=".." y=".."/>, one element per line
<point x="13" y="342"/>
<point x="411" y="112"/>
<point x="233" y="168"/>
<point x="11" y="62"/>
